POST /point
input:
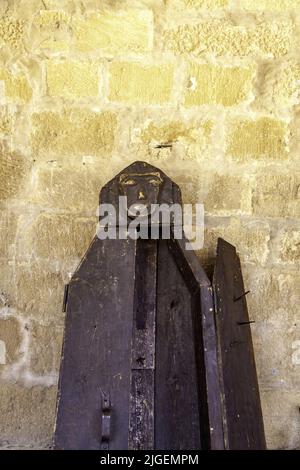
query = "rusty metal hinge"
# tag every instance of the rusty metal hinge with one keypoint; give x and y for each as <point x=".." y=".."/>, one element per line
<point x="105" y="421"/>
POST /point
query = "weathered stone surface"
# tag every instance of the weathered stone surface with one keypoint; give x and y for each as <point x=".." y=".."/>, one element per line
<point x="14" y="167"/>
<point x="274" y="294"/>
<point x="27" y="416"/>
<point x="228" y="194"/>
<point x="210" y="84"/>
<point x="175" y="131"/>
<point x="45" y="348"/>
<point x="38" y="292"/>
<point x="72" y="79"/>
<point x="5" y="122"/>
<point x="276" y="87"/>
<point x="257" y="139"/>
<point x="281" y="418"/>
<point x="69" y="184"/>
<point x="115" y="31"/>
<point x="277" y="195"/>
<point x="289" y="246"/>
<point x="209" y="4"/>
<point x="250" y="237"/>
<point x="16" y="86"/>
<point x="271" y="5"/>
<point x="221" y="37"/>
<point x="75" y="132"/>
<point x="57" y="237"/>
<point x="135" y="83"/>
<point x="275" y="356"/>
<point x="8" y="230"/>
<point x="10" y="336"/>
<point x="11" y="32"/>
<point x="51" y="31"/>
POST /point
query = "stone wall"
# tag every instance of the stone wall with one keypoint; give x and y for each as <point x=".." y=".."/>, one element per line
<point x="86" y="88"/>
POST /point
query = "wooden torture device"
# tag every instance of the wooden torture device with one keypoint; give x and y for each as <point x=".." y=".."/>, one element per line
<point x="155" y="356"/>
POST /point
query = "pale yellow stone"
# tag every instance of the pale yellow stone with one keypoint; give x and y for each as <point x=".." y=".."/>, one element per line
<point x="8" y="230"/>
<point x="75" y="132"/>
<point x="14" y="167"/>
<point x="135" y="83"/>
<point x="68" y="184"/>
<point x="54" y="45"/>
<point x="218" y="85"/>
<point x="221" y="37"/>
<point x="257" y="139"/>
<point x="267" y="289"/>
<point x="277" y="195"/>
<point x="289" y="247"/>
<point x="52" y="18"/>
<point x="175" y="131"/>
<point x="281" y="418"/>
<point x="10" y="334"/>
<point x="11" y="32"/>
<point x="57" y="237"/>
<point x="72" y="79"/>
<point x="277" y="86"/>
<point x="275" y="365"/>
<point x="52" y="31"/>
<point x="210" y="4"/>
<point x="37" y="290"/>
<point x="5" y="122"/>
<point x="27" y="415"/>
<point x="227" y="194"/>
<point x="16" y="86"/>
<point x="115" y="31"/>
<point x="250" y="238"/>
<point x="272" y="5"/>
<point x="45" y="348"/>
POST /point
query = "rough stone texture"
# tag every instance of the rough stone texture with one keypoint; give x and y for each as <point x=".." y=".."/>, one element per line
<point x="283" y="425"/>
<point x="75" y="132"/>
<point x="27" y="416"/>
<point x="11" y="337"/>
<point x="11" y="32"/>
<point x="263" y="138"/>
<point x="72" y="79"/>
<point x="222" y="37"/>
<point x="86" y="89"/>
<point x="210" y="4"/>
<point x="228" y="194"/>
<point x="13" y="169"/>
<point x="37" y="291"/>
<point x="277" y="195"/>
<point x="271" y="5"/>
<point x="16" y="87"/>
<point x="45" y="350"/>
<point x="289" y="246"/>
<point x="56" y="237"/>
<point x="217" y="85"/>
<point x="8" y="227"/>
<point x="134" y="83"/>
<point x="126" y="31"/>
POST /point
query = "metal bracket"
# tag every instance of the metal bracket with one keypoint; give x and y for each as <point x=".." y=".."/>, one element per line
<point x="65" y="298"/>
<point x="106" y="420"/>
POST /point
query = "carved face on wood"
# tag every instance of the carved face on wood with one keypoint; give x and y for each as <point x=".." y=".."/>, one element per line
<point x="141" y="190"/>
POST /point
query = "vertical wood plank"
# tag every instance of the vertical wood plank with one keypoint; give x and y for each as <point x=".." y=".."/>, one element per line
<point x="141" y="405"/>
<point x="242" y="416"/>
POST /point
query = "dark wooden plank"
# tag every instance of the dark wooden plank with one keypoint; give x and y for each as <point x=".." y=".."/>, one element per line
<point x="141" y="406"/>
<point x="205" y="344"/>
<point x="96" y="353"/>
<point x="177" y="424"/>
<point x="141" y="410"/>
<point x="242" y="416"/>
